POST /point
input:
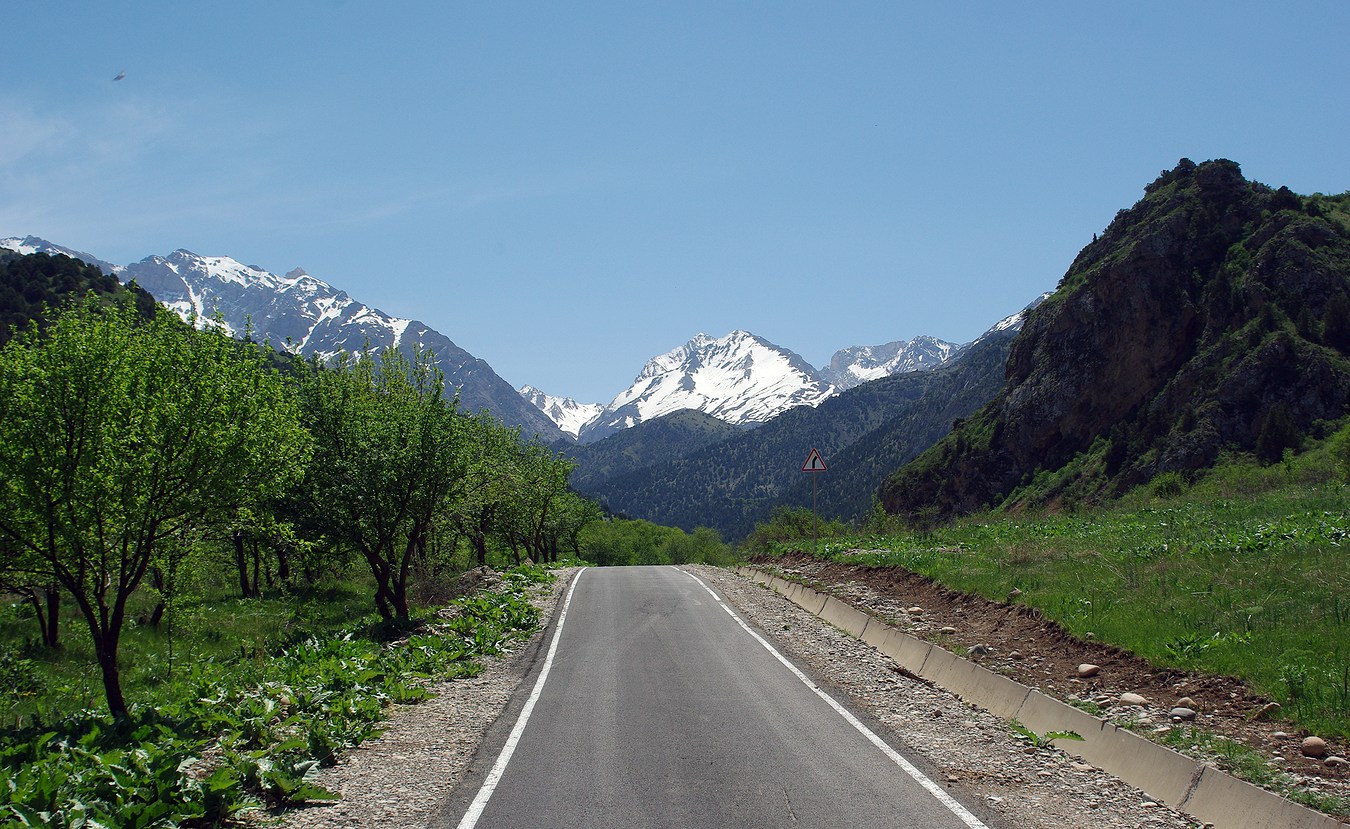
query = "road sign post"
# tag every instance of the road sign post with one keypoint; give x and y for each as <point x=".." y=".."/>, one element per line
<point x="814" y="464"/>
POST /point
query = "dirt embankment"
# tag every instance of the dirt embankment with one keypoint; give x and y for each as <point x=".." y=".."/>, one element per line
<point x="1019" y="642"/>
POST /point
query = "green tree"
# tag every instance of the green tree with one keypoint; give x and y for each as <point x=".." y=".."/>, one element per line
<point x="118" y="434"/>
<point x="536" y="518"/>
<point x="388" y="455"/>
<point x="491" y="479"/>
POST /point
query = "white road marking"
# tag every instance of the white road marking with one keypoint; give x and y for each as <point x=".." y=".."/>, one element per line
<point x="919" y="777"/>
<point x="485" y="791"/>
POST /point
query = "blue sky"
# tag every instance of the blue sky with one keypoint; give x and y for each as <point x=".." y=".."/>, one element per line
<point x="567" y="189"/>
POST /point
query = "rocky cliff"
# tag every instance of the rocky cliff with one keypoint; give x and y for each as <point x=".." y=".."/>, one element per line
<point x="1212" y="316"/>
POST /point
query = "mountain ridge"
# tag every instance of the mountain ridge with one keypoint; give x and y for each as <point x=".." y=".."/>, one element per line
<point x="302" y="314"/>
<point x="729" y="480"/>
<point x="758" y="380"/>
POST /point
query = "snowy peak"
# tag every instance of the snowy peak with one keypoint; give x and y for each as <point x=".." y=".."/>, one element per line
<point x="1012" y="322"/>
<point x="304" y="315"/>
<point x="740" y="378"/>
<point x="33" y="244"/>
<point x="854" y="366"/>
<point x="570" y="415"/>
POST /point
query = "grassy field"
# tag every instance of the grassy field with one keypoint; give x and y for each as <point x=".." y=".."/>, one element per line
<point x="1245" y="574"/>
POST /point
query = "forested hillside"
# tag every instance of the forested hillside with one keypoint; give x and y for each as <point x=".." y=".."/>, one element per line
<point x="646" y="444"/>
<point x="734" y="483"/>
<point x="1212" y="317"/>
<point x="31" y="284"/>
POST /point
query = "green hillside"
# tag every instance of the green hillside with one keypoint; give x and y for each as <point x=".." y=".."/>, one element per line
<point x="1212" y="317"/>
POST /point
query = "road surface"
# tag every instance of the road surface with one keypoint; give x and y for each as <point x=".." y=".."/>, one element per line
<point x="656" y="706"/>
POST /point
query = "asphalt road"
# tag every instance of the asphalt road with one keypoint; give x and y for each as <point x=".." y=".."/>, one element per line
<point x="659" y="708"/>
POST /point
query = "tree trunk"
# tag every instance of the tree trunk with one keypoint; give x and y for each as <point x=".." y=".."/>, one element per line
<point x="157" y="615"/>
<point x="46" y="602"/>
<point x="283" y="565"/>
<point x="241" y="562"/>
<point x="106" y="652"/>
<point x="52" y="626"/>
<point x="257" y="566"/>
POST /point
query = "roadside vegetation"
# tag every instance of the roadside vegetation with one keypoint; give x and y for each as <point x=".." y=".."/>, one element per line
<point x="218" y="567"/>
<point x="236" y="704"/>
<point x="1245" y="573"/>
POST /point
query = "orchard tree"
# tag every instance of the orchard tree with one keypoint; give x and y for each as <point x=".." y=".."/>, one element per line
<point x="387" y="456"/>
<point x="118" y="434"/>
<point x="491" y="481"/>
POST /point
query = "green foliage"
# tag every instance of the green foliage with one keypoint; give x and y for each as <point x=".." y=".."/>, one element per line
<point x="32" y="286"/>
<point x="1168" y="485"/>
<point x="388" y="452"/>
<point x="620" y="542"/>
<point x="792" y="528"/>
<point x="1046" y="740"/>
<point x="267" y="722"/>
<point x="1241" y="574"/>
<point x="118" y="435"/>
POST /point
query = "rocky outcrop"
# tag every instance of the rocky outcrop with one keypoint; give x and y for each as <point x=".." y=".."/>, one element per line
<point x="1207" y="317"/>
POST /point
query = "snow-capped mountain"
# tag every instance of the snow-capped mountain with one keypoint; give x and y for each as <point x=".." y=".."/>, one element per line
<point x="33" y="244"/>
<point x="305" y="315"/>
<point x="854" y="366"/>
<point x="570" y="415"/>
<point x="740" y="378"/>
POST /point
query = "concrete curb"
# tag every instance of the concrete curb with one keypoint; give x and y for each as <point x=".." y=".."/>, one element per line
<point x="1196" y="788"/>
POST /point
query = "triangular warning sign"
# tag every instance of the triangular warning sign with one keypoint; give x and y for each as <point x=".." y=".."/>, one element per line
<point x="814" y="462"/>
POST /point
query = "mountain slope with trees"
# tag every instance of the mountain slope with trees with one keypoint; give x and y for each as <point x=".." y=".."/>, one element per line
<point x="29" y="285"/>
<point x="731" y="484"/>
<point x="1211" y="317"/>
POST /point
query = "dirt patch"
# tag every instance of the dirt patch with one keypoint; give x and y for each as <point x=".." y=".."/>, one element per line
<point x="1022" y="644"/>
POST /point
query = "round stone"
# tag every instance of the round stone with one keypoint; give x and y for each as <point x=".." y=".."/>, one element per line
<point x="1181" y="713"/>
<point x="1087" y="669"/>
<point x="1131" y="698"/>
<point x="1313" y="747"/>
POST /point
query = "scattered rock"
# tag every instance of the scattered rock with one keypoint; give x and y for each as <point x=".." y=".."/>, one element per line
<point x="1015" y="655"/>
<point x="1186" y="702"/>
<point x="1182" y="713"/>
<point x="1267" y="710"/>
<point x="1335" y="762"/>
<point x="914" y="611"/>
<point x="981" y="650"/>
<point x="478" y="578"/>
<point x="948" y="630"/>
<point x="1313" y="747"/>
<point x="1131" y="698"/>
<point x="1083" y="767"/>
<point x="1087" y="669"/>
<point x="1280" y="735"/>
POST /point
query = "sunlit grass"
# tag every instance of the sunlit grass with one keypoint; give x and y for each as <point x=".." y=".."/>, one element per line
<point x="1245" y="575"/>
